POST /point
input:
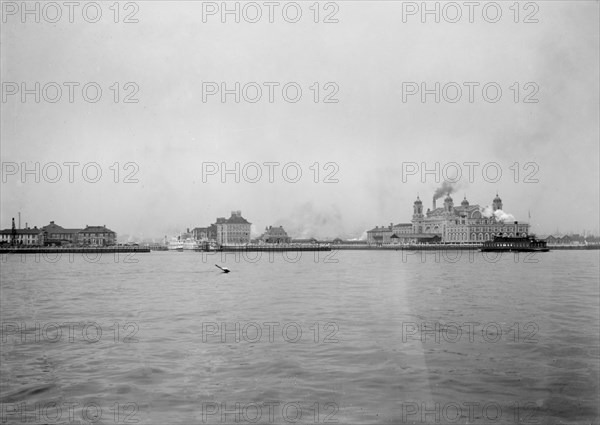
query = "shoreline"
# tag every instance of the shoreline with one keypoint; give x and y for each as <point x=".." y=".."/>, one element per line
<point x="448" y="247"/>
<point x="143" y="249"/>
<point x="73" y="250"/>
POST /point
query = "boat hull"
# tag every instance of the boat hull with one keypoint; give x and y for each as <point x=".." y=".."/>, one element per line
<point x="514" y="249"/>
<point x="515" y="244"/>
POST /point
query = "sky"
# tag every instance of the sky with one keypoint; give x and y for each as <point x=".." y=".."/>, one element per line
<point x="146" y="154"/>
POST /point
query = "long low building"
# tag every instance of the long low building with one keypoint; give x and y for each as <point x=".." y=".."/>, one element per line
<point x="53" y="234"/>
<point x="30" y="237"/>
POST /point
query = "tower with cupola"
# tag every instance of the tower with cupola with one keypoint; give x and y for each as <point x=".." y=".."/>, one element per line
<point x="418" y="208"/>
<point x="448" y="204"/>
<point x="497" y="203"/>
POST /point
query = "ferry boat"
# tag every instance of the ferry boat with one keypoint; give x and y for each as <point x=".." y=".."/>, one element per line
<point x="175" y="244"/>
<point x="206" y="245"/>
<point x="190" y="244"/>
<point x="519" y="243"/>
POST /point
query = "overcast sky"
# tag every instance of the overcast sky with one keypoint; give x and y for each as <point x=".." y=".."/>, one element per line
<point x="367" y="57"/>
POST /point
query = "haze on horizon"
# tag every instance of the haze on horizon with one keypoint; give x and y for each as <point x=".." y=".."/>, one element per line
<point x="161" y="142"/>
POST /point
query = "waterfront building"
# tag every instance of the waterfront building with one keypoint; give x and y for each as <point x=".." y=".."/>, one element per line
<point x="452" y="224"/>
<point x="233" y="231"/>
<point x="28" y="237"/>
<point x="380" y="235"/>
<point x="97" y="235"/>
<point x="53" y="234"/>
<point x="200" y="233"/>
<point x="275" y="235"/>
<point x="57" y="235"/>
<point x="465" y="223"/>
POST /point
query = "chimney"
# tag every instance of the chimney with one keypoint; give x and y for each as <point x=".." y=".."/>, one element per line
<point x="434" y="202"/>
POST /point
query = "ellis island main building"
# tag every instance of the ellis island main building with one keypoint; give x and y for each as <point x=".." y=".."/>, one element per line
<point x="451" y="224"/>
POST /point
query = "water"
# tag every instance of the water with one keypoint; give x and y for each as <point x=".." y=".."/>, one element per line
<point x="387" y="349"/>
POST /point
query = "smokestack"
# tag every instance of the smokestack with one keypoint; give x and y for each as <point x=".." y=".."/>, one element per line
<point x="434" y="202"/>
<point x="19" y="219"/>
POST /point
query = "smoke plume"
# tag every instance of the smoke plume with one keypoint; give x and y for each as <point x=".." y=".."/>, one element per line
<point x="444" y="189"/>
<point x="498" y="214"/>
<point x="308" y="221"/>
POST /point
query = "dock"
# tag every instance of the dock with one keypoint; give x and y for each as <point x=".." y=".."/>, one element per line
<point x="274" y="248"/>
<point x="73" y="250"/>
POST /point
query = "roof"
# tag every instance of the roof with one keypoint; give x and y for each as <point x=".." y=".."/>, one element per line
<point x="437" y="211"/>
<point x="61" y="230"/>
<point x="22" y="231"/>
<point x="55" y="228"/>
<point x="236" y="220"/>
<point x="417" y="235"/>
<point x="380" y="229"/>
<point x="275" y="231"/>
<point x="96" y="229"/>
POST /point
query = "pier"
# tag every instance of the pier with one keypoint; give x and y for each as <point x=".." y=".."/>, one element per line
<point x="274" y="248"/>
<point x="73" y="250"/>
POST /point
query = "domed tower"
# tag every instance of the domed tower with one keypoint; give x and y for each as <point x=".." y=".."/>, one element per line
<point x="464" y="202"/>
<point x="418" y="208"/>
<point x="497" y="203"/>
<point x="417" y="220"/>
<point x="448" y="204"/>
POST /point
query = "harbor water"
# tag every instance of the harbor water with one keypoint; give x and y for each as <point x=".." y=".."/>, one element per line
<point x="361" y="337"/>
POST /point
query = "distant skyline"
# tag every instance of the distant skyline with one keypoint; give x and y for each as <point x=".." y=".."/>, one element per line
<point x="369" y="62"/>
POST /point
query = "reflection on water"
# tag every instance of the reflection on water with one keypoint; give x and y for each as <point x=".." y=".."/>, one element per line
<point x="357" y="337"/>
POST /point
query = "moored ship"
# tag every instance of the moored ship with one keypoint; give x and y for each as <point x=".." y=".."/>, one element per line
<point x="175" y="244"/>
<point x="519" y="243"/>
<point x="190" y="244"/>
